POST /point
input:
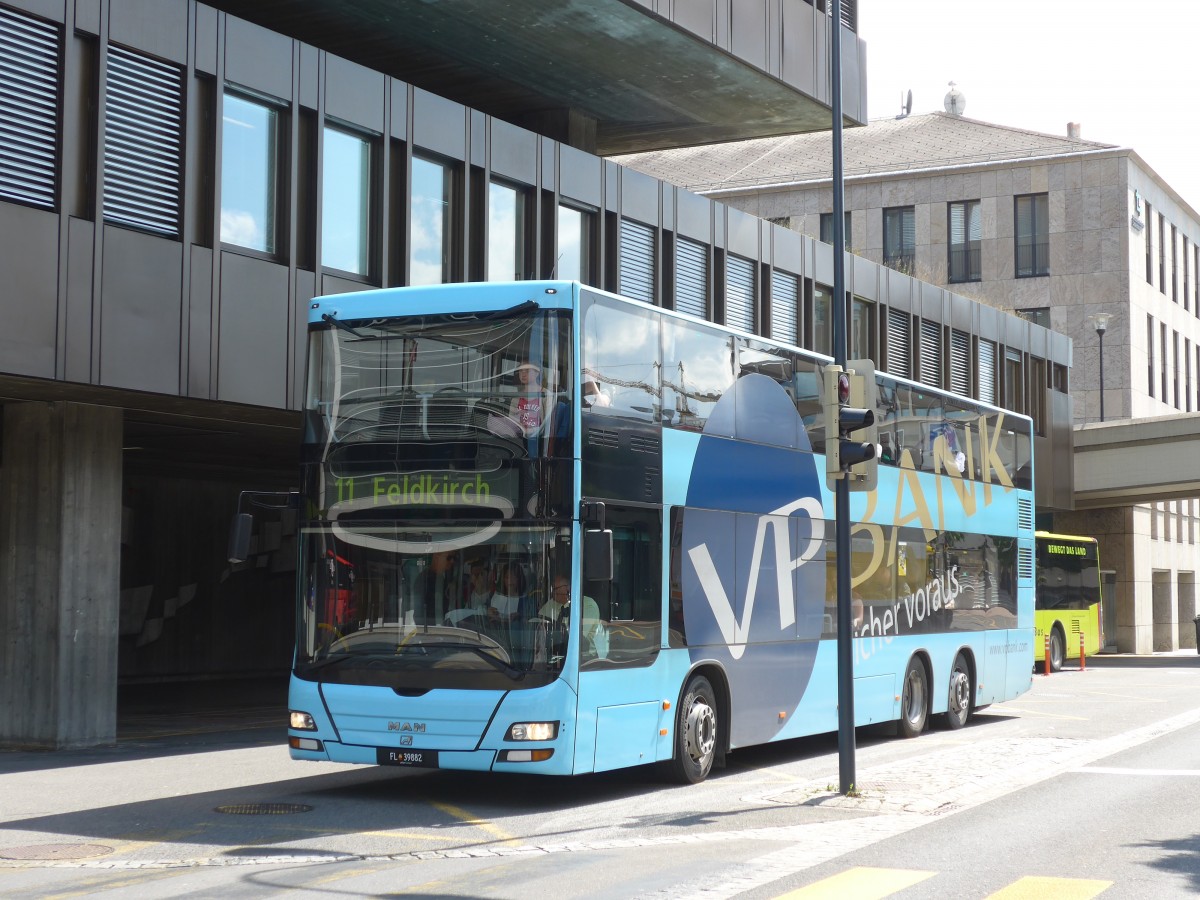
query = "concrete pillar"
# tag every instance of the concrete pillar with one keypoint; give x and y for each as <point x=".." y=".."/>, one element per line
<point x="1164" y="611"/>
<point x="1186" y="596"/>
<point x="60" y="555"/>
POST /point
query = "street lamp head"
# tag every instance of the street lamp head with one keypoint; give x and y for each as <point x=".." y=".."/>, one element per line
<point x="1100" y="322"/>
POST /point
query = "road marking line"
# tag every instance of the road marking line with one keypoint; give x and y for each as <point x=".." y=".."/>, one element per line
<point x="1159" y="773"/>
<point x="1036" y="888"/>
<point x="471" y="819"/>
<point x="94" y="885"/>
<point x="861" y="883"/>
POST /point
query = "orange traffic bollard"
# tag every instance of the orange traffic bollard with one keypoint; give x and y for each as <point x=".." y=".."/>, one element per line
<point x="1047" y="672"/>
<point x="1082" y="659"/>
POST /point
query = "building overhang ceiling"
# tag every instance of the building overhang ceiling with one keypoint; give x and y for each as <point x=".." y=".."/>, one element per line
<point x="646" y="83"/>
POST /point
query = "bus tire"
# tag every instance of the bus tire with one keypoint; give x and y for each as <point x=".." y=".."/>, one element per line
<point x="695" y="732"/>
<point x="958" y="703"/>
<point x="1058" y="648"/>
<point x="914" y="699"/>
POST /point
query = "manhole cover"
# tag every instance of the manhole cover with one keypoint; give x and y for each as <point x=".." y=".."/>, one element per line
<point x="55" y="851"/>
<point x="263" y="809"/>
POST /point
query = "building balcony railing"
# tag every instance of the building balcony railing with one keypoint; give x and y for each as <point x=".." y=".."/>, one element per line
<point x="965" y="262"/>
<point x="1033" y="259"/>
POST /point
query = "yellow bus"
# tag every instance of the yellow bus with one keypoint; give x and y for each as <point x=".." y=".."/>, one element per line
<point x="1067" y="598"/>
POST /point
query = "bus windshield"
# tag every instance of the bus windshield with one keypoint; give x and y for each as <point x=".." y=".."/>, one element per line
<point x="448" y="606"/>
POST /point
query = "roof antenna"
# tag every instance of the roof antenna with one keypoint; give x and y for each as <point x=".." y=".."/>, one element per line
<point x="905" y="105"/>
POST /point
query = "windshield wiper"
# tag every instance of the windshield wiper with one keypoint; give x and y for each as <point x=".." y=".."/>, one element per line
<point x="333" y="320"/>
<point x="525" y="306"/>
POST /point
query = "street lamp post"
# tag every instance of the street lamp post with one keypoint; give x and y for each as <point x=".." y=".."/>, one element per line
<point x="1100" y="321"/>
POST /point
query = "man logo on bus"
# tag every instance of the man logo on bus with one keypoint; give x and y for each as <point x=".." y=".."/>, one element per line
<point x="753" y="577"/>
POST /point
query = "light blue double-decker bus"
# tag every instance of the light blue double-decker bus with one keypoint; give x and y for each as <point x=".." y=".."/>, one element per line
<point x="546" y="529"/>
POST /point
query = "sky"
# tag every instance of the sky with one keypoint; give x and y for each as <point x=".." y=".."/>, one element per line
<point x="1125" y="70"/>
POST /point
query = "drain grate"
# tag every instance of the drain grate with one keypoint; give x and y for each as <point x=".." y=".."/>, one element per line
<point x="55" y="851"/>
<point x="263" y="809"/>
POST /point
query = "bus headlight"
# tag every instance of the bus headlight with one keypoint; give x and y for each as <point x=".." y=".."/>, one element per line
<point x="301" y="721"/>
<point x="533" y="731"/>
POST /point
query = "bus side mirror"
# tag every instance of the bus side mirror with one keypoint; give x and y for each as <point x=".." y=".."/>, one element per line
<point x="239" y="537"/>
<point x="598" y="555"/>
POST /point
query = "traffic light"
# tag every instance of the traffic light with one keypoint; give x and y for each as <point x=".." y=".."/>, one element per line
<point x="849" y="404"/>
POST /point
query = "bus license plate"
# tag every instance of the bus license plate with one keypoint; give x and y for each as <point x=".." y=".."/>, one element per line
<point x="425" y="759"/>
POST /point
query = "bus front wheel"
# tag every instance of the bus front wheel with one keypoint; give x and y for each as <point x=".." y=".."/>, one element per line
<point x="958" y="704"/>
<point x="1058" y="649"/>
<point x="914" y="699"/>
<point x="695" y="732"/>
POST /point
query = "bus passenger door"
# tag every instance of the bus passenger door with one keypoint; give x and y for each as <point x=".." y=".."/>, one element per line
<point x="620" y="694"/>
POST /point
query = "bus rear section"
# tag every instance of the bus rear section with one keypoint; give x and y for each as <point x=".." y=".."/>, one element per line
<point x="1067" y="599"/>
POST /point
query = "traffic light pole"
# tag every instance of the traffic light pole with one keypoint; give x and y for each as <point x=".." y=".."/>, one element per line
<point x="841" y="492"/>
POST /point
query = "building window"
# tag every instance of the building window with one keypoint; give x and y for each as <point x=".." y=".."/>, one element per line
<point x="785" y="301"/>
<point x="574" y="245"/>
<point x="1014" y="382"/>
<point x="1175" y="369"/>
<point x="740" y="293"/>
<point x="1162" y="253"/>
<point x="430" y="231"/>
<point x="1059" y="374"/>
<point x="636" y="261"/>
<point x="899" y="343"/>
<point x="506" y="233"/>
<point x="1174" y="263"/>
<point x="1164" y="361"/>
<point x="987" y="371"/>
<point x="1149" y="246"/>
<point x="691" y="278"/>
<point x="1187" y="375"/>
<point x="1186" y="264"/>
<point x="822" y="319"/>
<point x="1039" y="315"/>
<point x="143" y="142"/>
<point x="966" y="234"/>
<point x="827" y="228"/>
<point x="1150" y="338"/>
<point x="346" y="209"/>
<point x="1033" y="235"/>
<point x="900" y="239"/>
<point x="862" y="329"/>
<point x="29" y="102"/>
<point x="929" y="362"/>
<point x="249" y="173"/>
<point x="960" y="362"/>
<point x="1037" y="394"/>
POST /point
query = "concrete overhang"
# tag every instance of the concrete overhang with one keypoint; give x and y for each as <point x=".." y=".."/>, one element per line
<point x="1137" y="461"/>
<point x="646" y="82"/>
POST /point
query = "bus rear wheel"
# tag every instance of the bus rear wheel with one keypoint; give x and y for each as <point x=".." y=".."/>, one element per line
<point x="695" y="732"/>
<point x="1058" y="649"/>
<point x="914" y="699"/>
<point x="958" y="704"/>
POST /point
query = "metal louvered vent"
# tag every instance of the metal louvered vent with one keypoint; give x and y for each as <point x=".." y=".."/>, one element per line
<point x="143" y="142"/>
<point x="1025" y="514"/>
<point x="691" y="278"/>
<point x="931" y="354"/>
<point x="601" y="438"/>
<point x="1024" y="563"/>
<point x="637" y="261"/>
<point x="739" y="293"/>
<point x="642" y="444"/>
<point x="29" y="55"/>
<point x="899" y="348"/>
<point x="960" y="362"/>
<point x="987" y="371"/>
<point x="785" y="296"/>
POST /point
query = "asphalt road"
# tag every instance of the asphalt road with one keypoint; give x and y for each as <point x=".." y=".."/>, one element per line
<point x="210" y="805"/>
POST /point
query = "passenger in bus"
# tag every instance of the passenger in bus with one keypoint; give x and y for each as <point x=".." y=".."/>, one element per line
<point x="592" y="395"/>
<point x="476" y="593"/>
<point x="528" y="408"/>
<point x="506" y="604"/>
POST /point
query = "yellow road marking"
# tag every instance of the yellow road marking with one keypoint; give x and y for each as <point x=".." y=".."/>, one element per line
<point x="105" y="883"/>
<point x="861" y="883"/>
<point x="1034" y="712"/>
<point x="1036" y="888"/>
<point x="470" y="819"/>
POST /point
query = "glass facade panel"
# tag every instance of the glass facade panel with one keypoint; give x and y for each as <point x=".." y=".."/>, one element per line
<point x="429" y="226"/>
<point x="346" y="202"/>
<point x="574" y="244"/>
<point x="249" y="174"/>
<point x="506" y="233"/>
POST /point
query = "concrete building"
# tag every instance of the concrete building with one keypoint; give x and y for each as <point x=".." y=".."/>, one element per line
<point x="1066" y="232"/>
<point x="177" y="181"/>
